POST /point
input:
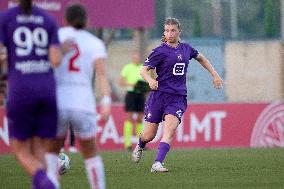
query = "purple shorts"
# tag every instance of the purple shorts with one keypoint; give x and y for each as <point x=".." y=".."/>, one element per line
<point x="32" y="116"/>
<point x="160" y="104"/>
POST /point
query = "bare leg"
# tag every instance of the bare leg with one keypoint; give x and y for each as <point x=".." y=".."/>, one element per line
<point x="24" y="154"/>
<point x="148" y="134"/>
<point x="170" y="126"/>
<point x="87" y="148"/>
<point x="31" y="164"/>
<point x="38" y="148"/>
<point x="149" y="131"/>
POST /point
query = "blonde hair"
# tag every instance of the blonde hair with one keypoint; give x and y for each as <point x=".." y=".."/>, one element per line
<point x="171" y="21"/>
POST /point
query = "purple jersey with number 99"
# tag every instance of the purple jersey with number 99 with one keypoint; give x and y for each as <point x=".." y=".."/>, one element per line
<point x="31" y="103"/>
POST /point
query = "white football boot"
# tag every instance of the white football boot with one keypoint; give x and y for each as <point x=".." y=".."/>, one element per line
<point x="137" y="154"/>
<point x="158" y="167"/>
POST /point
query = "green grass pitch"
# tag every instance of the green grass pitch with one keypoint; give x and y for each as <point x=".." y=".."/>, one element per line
<point x="191" y="168"/>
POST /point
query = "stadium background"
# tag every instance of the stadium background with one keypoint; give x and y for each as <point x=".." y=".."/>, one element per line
<point x="243" y="40"/>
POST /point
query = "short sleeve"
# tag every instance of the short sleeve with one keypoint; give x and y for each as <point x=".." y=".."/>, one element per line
<point x="61" y="35"/>
<point x="64" y="33"/>
<point x="193" y="52"/>
<point x="153" y="59"/>
<point x="53" y="33"/>
<point x="99" y="50"/>
<point x="124" y="71"/>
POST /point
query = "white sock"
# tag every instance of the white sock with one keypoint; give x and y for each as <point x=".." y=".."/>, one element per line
<point x="52" y="168"/>
<point x="95" y="171"/>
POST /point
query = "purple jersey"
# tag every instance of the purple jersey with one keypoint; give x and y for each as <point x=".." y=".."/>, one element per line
<point x="31" y="104"/>
<point x="171" y="66"/>
<point x="28" y="38"/>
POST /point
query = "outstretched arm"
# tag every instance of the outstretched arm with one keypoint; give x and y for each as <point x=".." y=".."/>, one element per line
<point x="144" y="72"/>
<point x="217" y="81"/>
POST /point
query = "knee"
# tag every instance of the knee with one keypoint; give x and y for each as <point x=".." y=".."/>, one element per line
<point x="129" y="117"/>
<point x="130" y="120"/>
<point x="168" y="138"/>
<point x="139" y="120"/>
<point x="87" y="148"/>
<point x="20" y="147"/>
<point x="147" y="137"/>
<point x="15" y="149"/>
<point x="20" y="151"/>
<point x="140" y="117"/>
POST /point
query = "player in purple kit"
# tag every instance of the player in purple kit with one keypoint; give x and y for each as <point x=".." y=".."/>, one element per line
<point x="30" y="38"/>
<point x="168" y="99"/>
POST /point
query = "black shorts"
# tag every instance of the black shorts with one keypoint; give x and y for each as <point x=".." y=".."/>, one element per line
<point x="134" y="102"/>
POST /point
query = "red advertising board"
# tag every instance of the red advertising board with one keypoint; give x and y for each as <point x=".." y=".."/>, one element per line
<point x="102" y="14"/>
<point x="203" y="126"/>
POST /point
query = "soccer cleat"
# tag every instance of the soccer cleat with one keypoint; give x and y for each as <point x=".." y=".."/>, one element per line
<point x="137" y="154"/>
<point x="158" y="167"/>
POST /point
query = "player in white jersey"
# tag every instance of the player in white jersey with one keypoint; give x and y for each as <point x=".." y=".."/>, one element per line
<point x="75" y="96"/>
<point x="74" y="76"/>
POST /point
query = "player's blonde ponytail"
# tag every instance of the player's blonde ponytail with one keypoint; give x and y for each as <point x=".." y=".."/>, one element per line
<point x="163" y="39"/>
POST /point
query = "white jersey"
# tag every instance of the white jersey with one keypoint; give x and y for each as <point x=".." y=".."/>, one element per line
<point x="74" y="75"/>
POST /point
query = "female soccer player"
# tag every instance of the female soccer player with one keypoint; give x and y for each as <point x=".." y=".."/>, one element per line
<point x="168" y="99"/>
<point x="75" y="94"/>
<point x="30" y="37"/>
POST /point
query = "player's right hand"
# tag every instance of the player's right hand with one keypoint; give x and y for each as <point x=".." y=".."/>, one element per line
<point x="217" y="81"/>
<point x="153" y="84"/>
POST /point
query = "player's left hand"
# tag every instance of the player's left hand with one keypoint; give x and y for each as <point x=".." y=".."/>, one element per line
<point x="217" y="81"/>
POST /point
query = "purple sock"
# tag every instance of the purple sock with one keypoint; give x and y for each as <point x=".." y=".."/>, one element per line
<point x="41" y="181"/>
<point x="162" y="151"/>
<point x="141" y="143"/>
